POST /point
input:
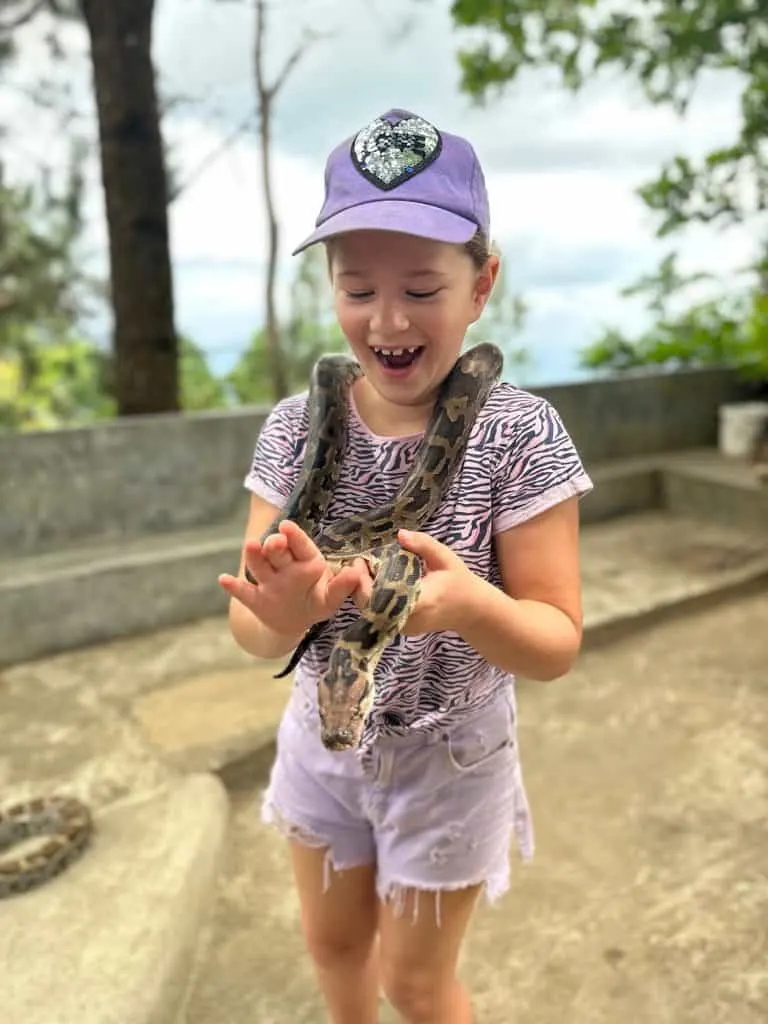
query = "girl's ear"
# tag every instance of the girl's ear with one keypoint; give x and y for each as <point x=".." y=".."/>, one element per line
<point x="484" y="282"/>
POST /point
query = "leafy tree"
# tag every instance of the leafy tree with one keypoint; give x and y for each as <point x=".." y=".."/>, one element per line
<point x="730" y="328"/>
<point x="49" y="375"/>
<point x="666" y="45"/>
<point x="133" y="172"/>
<point x="41" y="282"/>
<point x="132" y="158"/>
<point x="59" y="383"/>
<point x="200" y="388"/>
<point x="311" y="331"/>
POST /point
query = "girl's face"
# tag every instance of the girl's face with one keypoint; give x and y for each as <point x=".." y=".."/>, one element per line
<point x="404" y="305"/>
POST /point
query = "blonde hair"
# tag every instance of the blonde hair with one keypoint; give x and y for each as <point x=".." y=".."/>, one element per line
<point x="479" y="249"/>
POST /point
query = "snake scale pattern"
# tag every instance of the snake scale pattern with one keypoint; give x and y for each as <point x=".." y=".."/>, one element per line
<point x="67" y="825"/>
<point x="346" y="690"/>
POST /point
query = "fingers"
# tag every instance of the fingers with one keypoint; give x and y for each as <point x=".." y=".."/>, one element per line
<point x="257" y="563"/>
<point x="276" y="552"/>
<point x="273" y="554"/>
<point x="434" y="554"/>
<point x="345" y="583"/>
<point x="299" y="544"/>
<point x="238" y="588"/>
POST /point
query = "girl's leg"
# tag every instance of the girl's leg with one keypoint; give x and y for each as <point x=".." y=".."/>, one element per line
<point x="339" y="926"/>
<point x="418" y="957"/>
<point x="443" y="833"/>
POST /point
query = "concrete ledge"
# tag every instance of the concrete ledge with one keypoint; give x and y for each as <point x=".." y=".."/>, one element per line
<point x="622" y="488"/>
<point x="731" y="585"/>
<point x="223" y="722"/>
<point x="98" y="592"/>
<point x="112" y="940"/>
<point x="93" y="594"/>
<point x="724" y="497"/>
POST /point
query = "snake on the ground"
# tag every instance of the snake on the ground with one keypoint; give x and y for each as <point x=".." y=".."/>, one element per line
<point x="64" y="821"/>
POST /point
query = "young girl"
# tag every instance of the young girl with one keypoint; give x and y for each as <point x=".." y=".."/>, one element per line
<point x="393" y="842"/>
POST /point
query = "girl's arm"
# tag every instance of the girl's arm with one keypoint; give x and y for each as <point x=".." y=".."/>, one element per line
<point x="533" y="627"/>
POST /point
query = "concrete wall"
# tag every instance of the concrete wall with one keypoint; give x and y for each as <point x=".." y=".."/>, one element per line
<point x="123" y="479"/>
<point x="150" y="475"/>
<point x="644" y="414"/>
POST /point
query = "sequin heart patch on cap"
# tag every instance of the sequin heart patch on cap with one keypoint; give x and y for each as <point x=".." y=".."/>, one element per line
<point x="388" y="154"/>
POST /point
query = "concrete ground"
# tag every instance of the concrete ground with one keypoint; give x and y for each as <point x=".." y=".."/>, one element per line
<point x="647" y="771"/>
<point x="647" y="901"/>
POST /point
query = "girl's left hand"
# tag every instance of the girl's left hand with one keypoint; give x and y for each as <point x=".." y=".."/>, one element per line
<point x="444" y="586"/>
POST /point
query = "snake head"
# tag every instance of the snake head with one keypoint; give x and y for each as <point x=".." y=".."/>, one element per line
<point x="343" y="703"/>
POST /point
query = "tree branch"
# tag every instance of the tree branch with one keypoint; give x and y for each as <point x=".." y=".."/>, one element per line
<point x="267" y="93"/>
<point x="211" y="158"/>
<point x="22" y="19"/>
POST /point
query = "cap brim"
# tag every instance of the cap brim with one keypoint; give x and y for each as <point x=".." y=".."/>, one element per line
<point x="395" y="215"/>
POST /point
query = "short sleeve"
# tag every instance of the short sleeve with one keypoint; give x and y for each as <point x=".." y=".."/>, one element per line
<point x="538" y="467"/>
<point x="277" y="455"/>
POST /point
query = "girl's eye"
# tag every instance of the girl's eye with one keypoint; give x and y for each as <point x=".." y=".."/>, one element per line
<point x="359" y="295"/>
<point x="423" y="295"/>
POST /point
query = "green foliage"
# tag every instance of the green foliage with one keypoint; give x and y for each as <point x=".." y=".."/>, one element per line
<point x="41" y="282"/>
<point x="49" y="374"/>
<point x="49" y="385"/>
<point x="665" y="45"/>
<point x="310" y="332"/>
<point x="200" y="388"/>
<point x="730" y="329"/>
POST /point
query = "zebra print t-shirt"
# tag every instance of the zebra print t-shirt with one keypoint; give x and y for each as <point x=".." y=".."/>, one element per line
<point x="520" y="461"/>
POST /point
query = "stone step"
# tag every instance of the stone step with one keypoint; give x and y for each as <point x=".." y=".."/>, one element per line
<point x="92" y="593"/>
<point x="621" y="488"/>
<point x="715" y="490"/>
<point x="114" y="938"/>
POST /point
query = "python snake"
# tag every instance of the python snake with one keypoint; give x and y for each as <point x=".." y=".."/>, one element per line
<point x="64" y="820"/>
<point x="346" y="689"/>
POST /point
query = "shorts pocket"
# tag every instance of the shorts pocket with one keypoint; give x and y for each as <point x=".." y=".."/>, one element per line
<point x="483" y="740"/>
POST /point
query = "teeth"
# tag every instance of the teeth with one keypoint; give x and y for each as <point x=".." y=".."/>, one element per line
<point x="395" y="351"/>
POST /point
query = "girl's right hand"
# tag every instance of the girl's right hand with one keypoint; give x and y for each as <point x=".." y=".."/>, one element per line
<point x="295" y="586"/>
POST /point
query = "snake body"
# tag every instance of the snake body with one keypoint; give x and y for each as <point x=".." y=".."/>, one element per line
<point x="68" y="826"/>
<point x="346" y="689"/>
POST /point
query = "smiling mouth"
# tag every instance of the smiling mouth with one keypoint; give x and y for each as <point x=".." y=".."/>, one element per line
<point x="397" y="358"/>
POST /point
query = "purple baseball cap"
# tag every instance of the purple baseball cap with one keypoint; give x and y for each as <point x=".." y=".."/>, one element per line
<point x="400" y="173"/>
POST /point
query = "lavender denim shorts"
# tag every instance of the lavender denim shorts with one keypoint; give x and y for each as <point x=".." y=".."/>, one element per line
<point x="432" y="812"/>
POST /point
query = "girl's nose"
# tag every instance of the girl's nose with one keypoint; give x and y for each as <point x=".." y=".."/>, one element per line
<point x="389" y="318"/>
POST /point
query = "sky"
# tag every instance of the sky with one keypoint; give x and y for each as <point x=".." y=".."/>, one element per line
<point x="562" y="170"/>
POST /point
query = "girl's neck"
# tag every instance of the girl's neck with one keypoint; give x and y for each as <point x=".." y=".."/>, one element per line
<point x="386" y="419"/>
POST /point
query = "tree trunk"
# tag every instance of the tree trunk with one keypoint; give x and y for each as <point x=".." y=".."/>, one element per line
<point x="265" y="96"/>
<point x="274" y="340"/>
<point x="135" y="187"/>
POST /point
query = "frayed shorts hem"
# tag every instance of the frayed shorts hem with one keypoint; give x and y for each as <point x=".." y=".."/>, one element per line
<point x="394" y="892"/>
